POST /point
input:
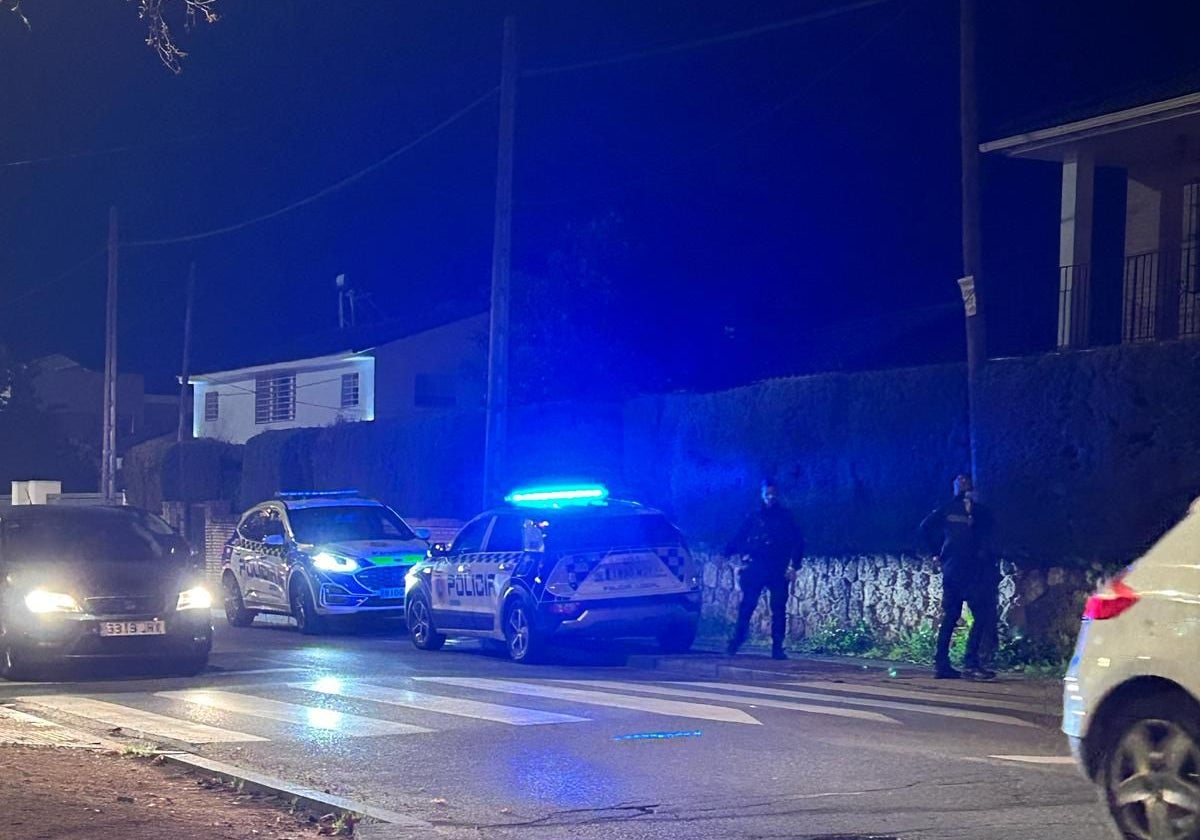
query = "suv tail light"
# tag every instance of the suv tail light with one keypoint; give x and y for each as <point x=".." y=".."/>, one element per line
<point x="1110" y="601"/>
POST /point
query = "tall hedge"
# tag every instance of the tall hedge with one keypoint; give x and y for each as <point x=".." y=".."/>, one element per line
<point x="1091" y="456"/>
<point x="860" y="458"/>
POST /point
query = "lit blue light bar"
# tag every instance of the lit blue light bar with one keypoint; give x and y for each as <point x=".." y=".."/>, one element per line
<point x="314" y="494"/>
<point x="557" y="496"/>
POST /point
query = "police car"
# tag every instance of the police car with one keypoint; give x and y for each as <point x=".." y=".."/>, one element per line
<point x="558" y="562"/>
<point x="316" y="555"/>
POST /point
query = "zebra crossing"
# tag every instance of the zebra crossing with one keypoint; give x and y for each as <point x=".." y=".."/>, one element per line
<point x="351" y="708"/>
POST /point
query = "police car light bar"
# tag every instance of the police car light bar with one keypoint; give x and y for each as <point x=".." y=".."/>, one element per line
<point x="578" y="494"/>
<point x="314" y="494"/>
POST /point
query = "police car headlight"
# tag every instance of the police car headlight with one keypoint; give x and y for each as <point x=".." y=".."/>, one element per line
<point x="327" y="562"/>
<point x="196" y="598"/>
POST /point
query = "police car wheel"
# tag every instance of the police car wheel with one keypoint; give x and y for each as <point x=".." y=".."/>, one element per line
<point x="235" y="607"/>
<point x="678" y="638"/>
<point x="524" y="641"/>
<point x="305" y="611"/>
<point x="420" y="625"/>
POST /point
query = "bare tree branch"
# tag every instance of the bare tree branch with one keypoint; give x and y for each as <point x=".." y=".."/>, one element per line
<point x="154" y="14"/>
<point x="159" y="35"/>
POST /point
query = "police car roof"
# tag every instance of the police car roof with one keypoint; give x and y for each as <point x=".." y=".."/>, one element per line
<point x="302" y="502"/>
<point x="609" y="507"/>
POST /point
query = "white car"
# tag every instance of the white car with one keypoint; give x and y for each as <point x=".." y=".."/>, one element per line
<point x="557" y="563"/>
<point x="1130" y="703"/>
<point x="314" y="555"/>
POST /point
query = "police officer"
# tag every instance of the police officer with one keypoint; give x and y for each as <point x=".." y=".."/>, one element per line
<point x="774" y="544"/>
<point x="958" y="534"/>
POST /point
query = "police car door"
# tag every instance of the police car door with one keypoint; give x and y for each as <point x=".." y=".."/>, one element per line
<point x="273" y="558"/>
<point x="491" y="570"/>
<point x="452" y="592"/>
<point x="244" y="556"/>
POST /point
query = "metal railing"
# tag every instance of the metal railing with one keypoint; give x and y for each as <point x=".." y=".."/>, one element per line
<point x="1161" y="296"/>
<point x="1074" y="288"/>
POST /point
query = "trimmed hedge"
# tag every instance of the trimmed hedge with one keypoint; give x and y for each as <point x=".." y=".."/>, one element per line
<point x="859" y="458"/>
<point x="164" y="470"/>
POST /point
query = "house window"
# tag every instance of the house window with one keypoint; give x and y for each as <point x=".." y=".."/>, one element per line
<point x="212" y="409"/>
<point x="349" y="390"/>
<point x="434" y="391"/>
<point x="275" y="398"/>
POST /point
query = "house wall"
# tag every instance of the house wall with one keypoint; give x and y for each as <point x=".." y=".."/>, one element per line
<point x="318" y="399"/>
<point x="456" y="354"/>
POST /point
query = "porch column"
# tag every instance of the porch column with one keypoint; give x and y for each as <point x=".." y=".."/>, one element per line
<point x="1075" y="249"/>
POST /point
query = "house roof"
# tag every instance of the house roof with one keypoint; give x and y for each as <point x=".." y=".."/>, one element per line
<point x="323" y="346"/>
<point x="1116" y="110"/>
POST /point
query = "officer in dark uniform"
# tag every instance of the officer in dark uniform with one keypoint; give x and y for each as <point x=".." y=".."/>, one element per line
<point x="958" y="533"/>
<point x="774" y="544"/>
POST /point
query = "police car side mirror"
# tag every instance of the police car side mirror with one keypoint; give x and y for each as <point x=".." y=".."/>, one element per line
<point x="273" y="540"/>
<point x="421" y="533"/>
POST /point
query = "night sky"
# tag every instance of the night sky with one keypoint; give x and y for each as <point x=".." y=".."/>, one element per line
<point x="779" y="197"/>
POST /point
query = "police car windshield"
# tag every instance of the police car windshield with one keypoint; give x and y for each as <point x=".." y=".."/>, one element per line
<point x="595" y="533"/>
<point x="348" y="523"/>
<point x="86" y="539"/>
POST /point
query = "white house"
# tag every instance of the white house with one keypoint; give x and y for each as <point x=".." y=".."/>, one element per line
<point x="436" y="369"/>
<point x="1157" y="146"/>
<point x="235" y="405"/>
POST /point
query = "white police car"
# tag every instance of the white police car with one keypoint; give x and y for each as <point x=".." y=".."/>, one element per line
<point x="558" y="562"/>
<point x="315" y="555"/>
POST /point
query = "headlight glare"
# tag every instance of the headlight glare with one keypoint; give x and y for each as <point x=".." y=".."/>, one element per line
<point x="327" y="562"/>
<point x="41" y="601"/>
<point x="196" y="598"/>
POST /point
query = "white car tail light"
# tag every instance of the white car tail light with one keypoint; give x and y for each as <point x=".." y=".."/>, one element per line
<point x="1110" y="601"/>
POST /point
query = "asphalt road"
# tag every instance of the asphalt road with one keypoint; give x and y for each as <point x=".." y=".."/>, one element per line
<point x="586" y="747"/>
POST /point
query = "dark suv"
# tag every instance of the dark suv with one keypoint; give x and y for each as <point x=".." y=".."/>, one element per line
<point x="82" y="583"/>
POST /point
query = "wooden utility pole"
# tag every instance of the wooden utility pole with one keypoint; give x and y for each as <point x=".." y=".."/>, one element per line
<point x="971" y="283"/>
<point x="497" y="391"/>
<point x="187" y="349"/>
<point x="108" y="448"/>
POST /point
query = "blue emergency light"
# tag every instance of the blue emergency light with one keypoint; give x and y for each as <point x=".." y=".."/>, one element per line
<point x="558" y="495"/>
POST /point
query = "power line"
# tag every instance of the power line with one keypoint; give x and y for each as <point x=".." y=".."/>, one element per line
<point x="119" y="149"/>
<point x="698" y="43"/>
<point x="763" y="117"/>
<point x="58" y="278"/>
<point x="350" y="179"/>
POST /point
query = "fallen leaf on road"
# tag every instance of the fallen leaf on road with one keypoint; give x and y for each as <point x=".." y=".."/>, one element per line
<point x="125" y="799"/>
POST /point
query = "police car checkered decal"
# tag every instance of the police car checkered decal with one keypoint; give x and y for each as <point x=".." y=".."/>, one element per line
<point x="675" y="559"/>
<point x="578" y="567"/>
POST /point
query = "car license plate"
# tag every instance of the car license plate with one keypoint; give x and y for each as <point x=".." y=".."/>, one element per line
<point x="391" y="593"/>
<point x="133" y="628"/>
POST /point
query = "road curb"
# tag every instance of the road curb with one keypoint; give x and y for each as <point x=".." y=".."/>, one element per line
<point x="309" y="798"/>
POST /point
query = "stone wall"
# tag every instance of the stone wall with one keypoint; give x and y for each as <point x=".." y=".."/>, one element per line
<point x="896" y="594"/>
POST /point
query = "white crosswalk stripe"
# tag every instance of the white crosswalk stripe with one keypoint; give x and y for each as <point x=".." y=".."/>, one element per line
<point x="513" y="715"/>
<point x="938" y="711"/>
<point x="136" y="721"/>
<point x="1036" y="759"/>
<point x="653" y="705"/>
<point x="984" y="702"/>
<point x="313" y="717"/>
<point x="745" y="699"/>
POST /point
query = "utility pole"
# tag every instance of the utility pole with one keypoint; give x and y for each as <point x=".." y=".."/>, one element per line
<point x="187" y="349"/>
<point x="970" y="284"/>
<point x="497" y="391"/>
<point x="108" y="449"/>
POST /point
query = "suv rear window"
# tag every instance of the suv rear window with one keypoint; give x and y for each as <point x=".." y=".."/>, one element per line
<point x="595" y="533"/>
